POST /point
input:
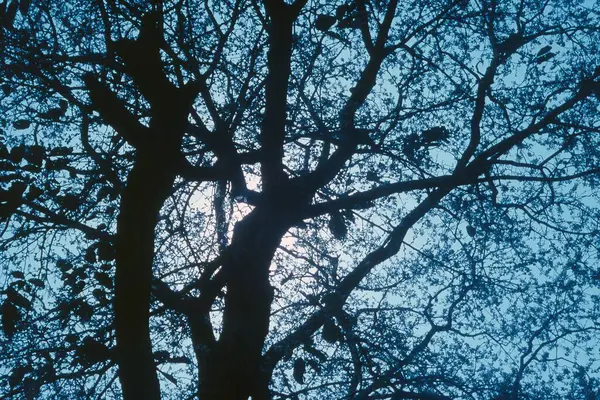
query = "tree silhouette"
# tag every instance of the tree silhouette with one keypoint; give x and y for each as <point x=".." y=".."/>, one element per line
<point x="354" y="200"/>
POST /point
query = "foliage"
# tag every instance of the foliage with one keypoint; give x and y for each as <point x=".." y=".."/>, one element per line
<point x="364" y="200"/>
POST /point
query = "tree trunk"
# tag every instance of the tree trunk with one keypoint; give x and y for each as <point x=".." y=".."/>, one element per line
<point x="234" y="363"/>
<point x="148" y="185"/>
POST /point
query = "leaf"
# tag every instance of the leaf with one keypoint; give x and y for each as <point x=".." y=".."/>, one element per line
<point x="318" y="354"/>
<point x="17" y="153"/>
<point x="92" y="351"/>
<point x="78" y="288"/>
<point x="33" y="193"/>
<point x="99" y="295"/>
<point x="337" y="226"/>
<point x="61" y="151"/>
<point x="69" y="202"/>
<point x="324" y="22"/>
<point x="21" y="124"/>
<point x="37" y="282"/>
<point x="434" y="136"/>
<point x="341" y="11"/>
<point x="543" y="50"/>
<point x="9" y="15"/>
<point x="31" y="387"/>
<point x="339" y="37"/>
<point x="170" y="377"/>
<point x="34" y="155"/>
<point x="17" y="299"/>
<point x="106" y="251"/>
<point x="372" y="176"/>
<point x="16" y="376"/>
<point x="181" y="360"/>
<point x="299" y="370"/>
<point x="545" y="58"/>
<point x="53" y="114"/>
<point x="24" y="6"/>
<point x="71" y="338"/>
<point x="314" y="365"/>
<point x="471" y="231"/>
<point x="90" y="255"/>
<point x="64" y="265"/>
<point x="331" y="332"/>
<point x="348" y="215"/>
<point x="10" y="318"/>
<point x="104" y="279"/>
<point x="161" y="355"/>
<point x="85" y="311"/>
<point x="6" y="89"/>
<point x="17" y="275"/>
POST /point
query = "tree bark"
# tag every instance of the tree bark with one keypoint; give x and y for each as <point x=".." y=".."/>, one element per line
<point x="235" y="361"/>
<point x="148" y="185"/>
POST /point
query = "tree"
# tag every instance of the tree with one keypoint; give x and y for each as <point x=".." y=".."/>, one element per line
<point x="364" y="199"/>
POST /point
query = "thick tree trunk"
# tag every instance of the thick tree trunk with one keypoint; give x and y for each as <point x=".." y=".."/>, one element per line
<point x="148" y="185"/>
<point x="234" y="363"/>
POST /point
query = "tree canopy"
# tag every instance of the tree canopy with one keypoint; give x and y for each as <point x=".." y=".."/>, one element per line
<point x="356" y="199"/>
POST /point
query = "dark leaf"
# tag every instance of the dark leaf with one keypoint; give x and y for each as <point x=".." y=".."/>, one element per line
<point x="543" y="50"/>
<point x="331" y="332"/>
<point x="61" y="151"/>
<point x="16" y="190"/>
<point x="434" y="136"/>
<point x="10" y="14"/>
<point x="337" y="226"/>
<point x="31" y="388"/>
<point x="37" y="282"/>
<point x="299" y="370"/>
<point x="99" y="294"/>
<point x="106" y="251"/>
<point x="104" y="279"/>
<point x="180" y="360"/>
<point x="84" y="311"/>
<point x="6" y="89"/>
<point x="69" y="202"/>
<point x="90" y="255"/>
<point x="319" y="355"/>
<point x="17" y="299"/>
<point x="24" y="6"/>
<point x="34" y="155"/>
<point x="161" y="356"/>
<point x="64" y="265"/>
<point x="10" y="318"/>
<point x="33" y="193"/>
<point x="92" y="352"/>
<point x="341" y="11"/>
<point x="372" y="176"/>
<point x="71" y="338"/>
<point x="170" y="377"/>
<point x="324" y="22"/>
<point x="78" y="288"/>
<point x="53" y="114"/>
<point x="21" y="124"/>
<point x="545" y="57"/>
<point x="17" y="153"/>
<point x="17" y="275"/>
<point x="4" y="154"/>
<point x="314" y="365"/>
<point x="16" y="376"/>
<point x="471" y="230"/>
